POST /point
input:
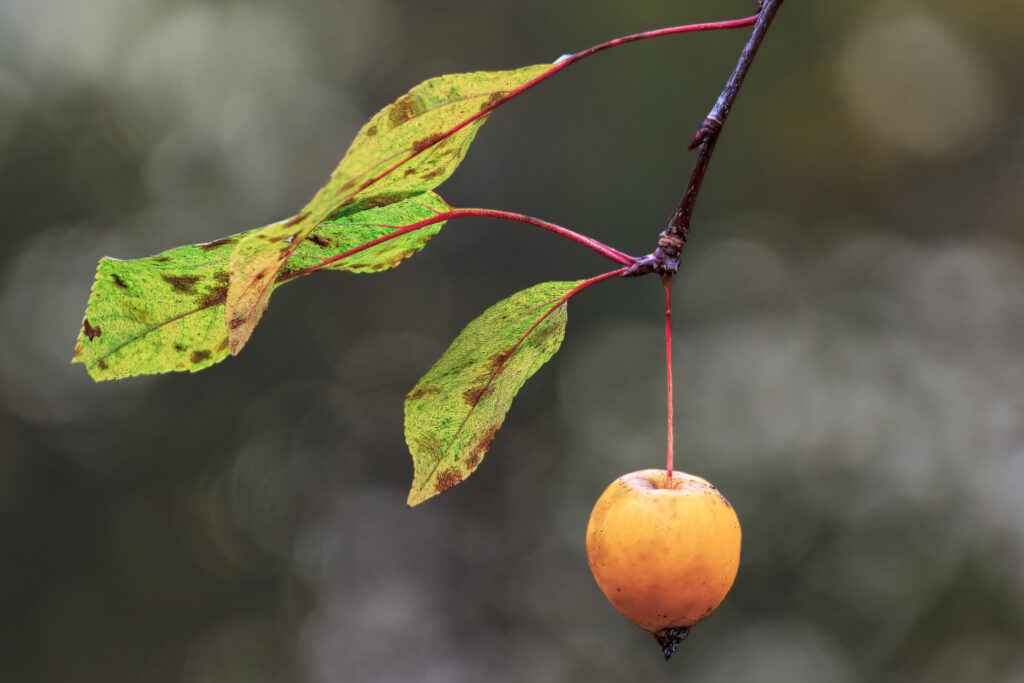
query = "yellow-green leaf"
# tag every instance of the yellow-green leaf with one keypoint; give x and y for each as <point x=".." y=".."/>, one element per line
<point x="454" y="411"/>
<point x="409" y="147"/>
<point x="166" y="312"/>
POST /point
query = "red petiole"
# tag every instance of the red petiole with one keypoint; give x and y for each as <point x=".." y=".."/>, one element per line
<point x="603" y="249"/>
<point x="671" y="30"/>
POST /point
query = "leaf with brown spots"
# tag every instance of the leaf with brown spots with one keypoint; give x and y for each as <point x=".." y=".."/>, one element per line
<point x="455" y="410"/>
<point x="348" y="231"/>
<point x="409" y="147"/>
<point x="166" y="312"/>
<point x="158" y="314"/>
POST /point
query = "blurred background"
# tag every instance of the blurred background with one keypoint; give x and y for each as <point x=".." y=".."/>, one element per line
<point x="848" y="352"/>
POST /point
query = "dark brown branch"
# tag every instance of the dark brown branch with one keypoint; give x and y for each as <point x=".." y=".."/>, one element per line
<point x="665" y="259"/>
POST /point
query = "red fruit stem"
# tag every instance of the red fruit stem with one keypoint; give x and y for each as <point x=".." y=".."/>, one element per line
<point x="603" y="249"/>
<point x="666" y="281"/>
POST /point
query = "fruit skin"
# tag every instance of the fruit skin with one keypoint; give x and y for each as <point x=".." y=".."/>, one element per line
<point x="664" y="557"/>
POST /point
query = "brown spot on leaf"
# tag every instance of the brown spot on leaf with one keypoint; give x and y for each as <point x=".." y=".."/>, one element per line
<point x="485" y="444"/>
<point x="433" y="174"/>
<point x="118" y="281"/>
<point x="181" y="283"/>
<point x="90" y="331"/>
<point x="222" y="276"/>
<point x="236" y="322"/>
<point x="162" y="259"/>
<point x="446" y="480"/>
<point x="295" y="220"/>
<point x="215" y="297"/>
<point x="545" y="330"/>
<point x="497" y="359"/>
<point x="320" y="241"/>
<point x="381" y="200"/>
<point x="474" y="395"/>
<point x="200" y="356"/>
<point x="371" y="131"/>
<point x="210" y="246"/>
<point x="223" y="344"/>
<point x="179" y="348"/>
<point x="540" y="335"/>
<point x="102" y="363"/>
<point x="409" y="171"/>
<point x="494" y="99"/>
<point x="401" y="110"/>
<point x="426" y="142"/>
<point x="378" y="266"/>
<point x="421" y="392"/>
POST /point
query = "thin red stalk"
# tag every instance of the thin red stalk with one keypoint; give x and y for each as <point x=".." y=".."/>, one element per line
<point x="669" y="466"/>
<point x="671" y="30"/>
<point x="603" y="249"/>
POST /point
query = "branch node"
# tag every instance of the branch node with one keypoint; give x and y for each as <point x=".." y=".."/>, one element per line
<point x="664" y="259"/>
<point x="643" y="265"/>
<point x="671" y="242"/>
<point x="709" y="128"/>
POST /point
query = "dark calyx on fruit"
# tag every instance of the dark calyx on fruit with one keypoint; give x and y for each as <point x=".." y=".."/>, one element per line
<point x="670" y="638"/>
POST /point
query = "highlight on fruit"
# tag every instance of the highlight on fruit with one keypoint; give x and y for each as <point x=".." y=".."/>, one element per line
<point x="664" y="551"/>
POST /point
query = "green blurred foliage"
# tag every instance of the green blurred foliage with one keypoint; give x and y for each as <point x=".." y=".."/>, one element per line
<point x="848" y="333"/>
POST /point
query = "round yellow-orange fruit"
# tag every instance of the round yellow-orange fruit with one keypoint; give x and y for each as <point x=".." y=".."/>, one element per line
<point x="664" y="555"/>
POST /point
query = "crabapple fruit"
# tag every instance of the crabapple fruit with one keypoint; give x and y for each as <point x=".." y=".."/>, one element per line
<point x="665" y="553"/>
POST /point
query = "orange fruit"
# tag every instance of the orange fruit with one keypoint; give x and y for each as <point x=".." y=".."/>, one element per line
<point x="665" y="556"/>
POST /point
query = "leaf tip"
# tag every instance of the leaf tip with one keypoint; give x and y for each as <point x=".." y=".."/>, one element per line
<point x="415" y="497"/>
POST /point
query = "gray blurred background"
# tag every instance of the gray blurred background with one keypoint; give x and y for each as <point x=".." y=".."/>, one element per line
<point x="848" y="351"/>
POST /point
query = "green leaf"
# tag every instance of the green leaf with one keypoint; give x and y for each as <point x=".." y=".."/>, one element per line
<point x="339" y="234"/>
<point x="410" y="146"/>
<point x="166" y="312"/>
<point x="454" y="411"/>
